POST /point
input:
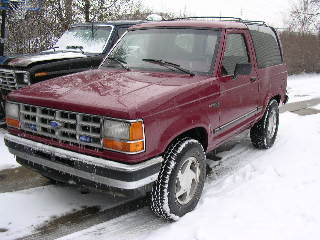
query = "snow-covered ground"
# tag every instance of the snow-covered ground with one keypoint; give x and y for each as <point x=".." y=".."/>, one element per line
<point x="272" y="194"/>
<point x="251" y="194"/>
<point x="303" y="87"/>
<point x="7" y="160"/>
<point x="24" y="211"/>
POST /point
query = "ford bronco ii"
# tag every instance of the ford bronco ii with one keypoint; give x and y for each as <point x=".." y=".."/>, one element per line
<point x="166" y="94"/>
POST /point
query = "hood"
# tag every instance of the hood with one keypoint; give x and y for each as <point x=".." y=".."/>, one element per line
<point x="118" y="94"/>
<point x="27" y="60"/>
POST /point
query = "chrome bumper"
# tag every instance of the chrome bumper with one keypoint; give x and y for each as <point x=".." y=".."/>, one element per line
<point x="98" y="170"/>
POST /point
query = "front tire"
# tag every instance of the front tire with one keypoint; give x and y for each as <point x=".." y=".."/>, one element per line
<point x="263" y="134"/>
<point x="180" y="181"/>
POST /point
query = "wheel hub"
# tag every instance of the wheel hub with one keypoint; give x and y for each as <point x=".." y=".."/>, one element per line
<point x="272" y="124"/>
<point x="187" y="180"/>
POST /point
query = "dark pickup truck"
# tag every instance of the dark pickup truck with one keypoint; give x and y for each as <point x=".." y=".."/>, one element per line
<point x="81" y="48"/>
<point x="167" y="93"/>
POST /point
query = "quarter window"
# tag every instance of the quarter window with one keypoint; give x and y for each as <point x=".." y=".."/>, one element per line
<point x="266" y="45"/>
<point x="236" y="52"/>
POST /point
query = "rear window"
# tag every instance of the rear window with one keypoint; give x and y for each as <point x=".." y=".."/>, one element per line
<point x="266" y="45"/>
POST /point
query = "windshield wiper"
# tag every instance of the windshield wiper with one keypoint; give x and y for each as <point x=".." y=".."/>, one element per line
<point x="75" y="47"/>
<point x="121" y="62"/>
<point x="168" y="64"/>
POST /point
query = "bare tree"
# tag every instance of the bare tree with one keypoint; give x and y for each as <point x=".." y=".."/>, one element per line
<point x="305" y="16"/>
<point x="40" y="30"/>
<point x="103" y="10"/>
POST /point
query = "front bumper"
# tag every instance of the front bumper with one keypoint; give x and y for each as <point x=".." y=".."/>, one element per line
<point x="100" y="171"/>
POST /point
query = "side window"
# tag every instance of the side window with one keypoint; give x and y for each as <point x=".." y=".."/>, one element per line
<point x="236" y="52"/>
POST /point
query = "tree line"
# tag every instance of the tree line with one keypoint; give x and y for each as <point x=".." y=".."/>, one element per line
<point x="301" y="40"/>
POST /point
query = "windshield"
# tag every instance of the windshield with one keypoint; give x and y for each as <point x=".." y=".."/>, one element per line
<point x="192" y="49"/>
<point x="84" y="39"/>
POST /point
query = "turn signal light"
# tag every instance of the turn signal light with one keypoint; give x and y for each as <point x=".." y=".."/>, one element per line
<point x="41" y="74"/>
<point x="13" y="122"/>
<point x="136" y="131"/>
<point x="128" y="147"/>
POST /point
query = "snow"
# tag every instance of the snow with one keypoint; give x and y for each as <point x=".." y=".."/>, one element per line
<point x="7" y="160"/>
<point x="91" y="40"/>
<point x="24" y="211"/>
<point x="254" y="194"/>
<point x="303" y="87"/>
<point x="317" y="107"/>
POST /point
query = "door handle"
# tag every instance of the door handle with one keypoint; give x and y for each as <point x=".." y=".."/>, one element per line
<point x="253" y="79"/>
<point x="214" y="105"/>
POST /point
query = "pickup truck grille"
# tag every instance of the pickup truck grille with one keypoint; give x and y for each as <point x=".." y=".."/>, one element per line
<point x="8" y="79"/>
<point x="65" y="126"/>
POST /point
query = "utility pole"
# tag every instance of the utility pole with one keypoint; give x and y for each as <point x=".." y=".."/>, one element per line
<point x="3" y="31"/>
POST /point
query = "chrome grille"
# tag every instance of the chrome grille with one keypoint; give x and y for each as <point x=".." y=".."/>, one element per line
<point x="79" y="128"/>
<point x="8" y="79"/>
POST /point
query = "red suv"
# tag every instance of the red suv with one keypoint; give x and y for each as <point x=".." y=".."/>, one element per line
<point x="166" y="94"/>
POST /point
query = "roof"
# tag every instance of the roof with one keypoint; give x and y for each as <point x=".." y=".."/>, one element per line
<point x="193" y="24"/>
<point x="115" y="23"/>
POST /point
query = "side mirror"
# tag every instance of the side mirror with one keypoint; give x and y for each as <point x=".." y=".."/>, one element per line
<point x="242" y="69"/>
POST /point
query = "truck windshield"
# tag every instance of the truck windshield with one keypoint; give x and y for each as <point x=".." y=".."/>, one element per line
<point x="86" y="39"/>
<point x="193" y="50"/>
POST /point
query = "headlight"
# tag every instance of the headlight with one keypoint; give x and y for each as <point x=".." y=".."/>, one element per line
<point x="12" y="115"/>
<point x="122" y="136"/>
<point x="116" y="129"/>
<point x="26" y="77"/>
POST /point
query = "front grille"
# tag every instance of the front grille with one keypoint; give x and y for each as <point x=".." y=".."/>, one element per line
<point x="64" y="126"/>
<point x="9" y="81"/>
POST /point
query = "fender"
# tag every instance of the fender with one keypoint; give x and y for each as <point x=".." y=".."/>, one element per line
<point x="180" y="126"/>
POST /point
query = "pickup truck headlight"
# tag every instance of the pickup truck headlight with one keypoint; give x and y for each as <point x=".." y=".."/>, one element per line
<point x="26" y="77"/>
<point x="12" y="115"/>
<point x="122" y="136"/>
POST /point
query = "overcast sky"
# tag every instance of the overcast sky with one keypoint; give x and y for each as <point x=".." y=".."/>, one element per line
<point x="274" y="12"/>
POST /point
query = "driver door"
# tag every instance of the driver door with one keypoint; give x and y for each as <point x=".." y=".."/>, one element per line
<point x="239" y="95"/>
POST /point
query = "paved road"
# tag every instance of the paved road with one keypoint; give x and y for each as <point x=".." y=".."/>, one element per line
<point x="22" y="178"/>
<point x="302" y="108"/>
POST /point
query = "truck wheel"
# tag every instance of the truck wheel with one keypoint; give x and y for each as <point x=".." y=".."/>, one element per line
<point x="263" y="134"/>
<point x="180" y="181"/>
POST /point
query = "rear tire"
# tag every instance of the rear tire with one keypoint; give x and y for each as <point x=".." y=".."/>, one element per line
<point x="263" y="134"/>
<point x="180" y="181"/>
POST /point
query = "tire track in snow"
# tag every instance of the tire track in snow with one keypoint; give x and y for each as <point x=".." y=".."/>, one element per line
<point x="21" y="178"/>
<point x="75" y="222"/>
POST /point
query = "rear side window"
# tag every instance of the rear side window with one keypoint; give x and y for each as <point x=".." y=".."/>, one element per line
<point x="236" y="52"/>
<point x="266" y="46"/>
